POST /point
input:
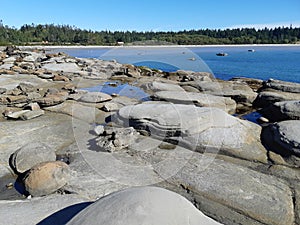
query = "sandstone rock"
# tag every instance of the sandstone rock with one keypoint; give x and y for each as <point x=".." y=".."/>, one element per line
<point x="32" y="114"/>
<point x="286" y="110"/>
<point x="94" y="97"/>
<point x="60" y="78"/>
<point x="143" y="205"/>
<point x="198" y="99"/>
<point x="52" y="99"/>
<point x="30" y="155"/>
<point x="198" y="128"/>
<point x="46" y="178"/>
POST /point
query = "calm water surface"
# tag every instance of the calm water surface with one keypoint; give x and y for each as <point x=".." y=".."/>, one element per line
<point x="278" y="62"/>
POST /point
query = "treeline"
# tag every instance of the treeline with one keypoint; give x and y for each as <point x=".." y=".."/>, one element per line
<point x="51" y="34"/>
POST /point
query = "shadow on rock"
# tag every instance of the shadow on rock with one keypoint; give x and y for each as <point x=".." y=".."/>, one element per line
<point x="65" y="215"/>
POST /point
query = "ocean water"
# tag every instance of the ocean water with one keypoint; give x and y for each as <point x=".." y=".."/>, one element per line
<point x="277" y="62"/>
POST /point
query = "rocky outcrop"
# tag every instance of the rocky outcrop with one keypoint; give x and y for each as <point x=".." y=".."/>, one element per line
<point x="285" y="110"/>
<point x="283" y="139"/>
<point x="143" y="205"/>
<point x="46" y="178"/>
<point x="198" y="99"/>
<point x="238" y="91"/>
<point x="115" y="139"/>
<point x="277" y="91"/>
<point x="209" y="128"/>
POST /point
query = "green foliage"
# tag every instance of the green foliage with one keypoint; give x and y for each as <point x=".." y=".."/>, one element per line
<point x="51" y="34"/>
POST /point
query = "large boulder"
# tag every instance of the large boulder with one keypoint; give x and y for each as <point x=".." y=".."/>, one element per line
<point x="46" y="178"/>
<point x="30" y="155"/>
<point x="198" y="99"/>
<point x="282" y="138"/>
<point x="199" y="128"/>
<point x="286" y="110"/>
<point x="143" y="205"/>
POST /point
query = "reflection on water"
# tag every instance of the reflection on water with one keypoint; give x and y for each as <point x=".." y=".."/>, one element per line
<point x="116" y="87"/>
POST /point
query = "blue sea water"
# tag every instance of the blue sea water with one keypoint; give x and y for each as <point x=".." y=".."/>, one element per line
<point x="277" y="62"/>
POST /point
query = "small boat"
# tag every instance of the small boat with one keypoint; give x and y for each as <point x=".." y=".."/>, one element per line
<point x="192" y="59"/>
<point x="222" y="54"/>
<point x="251" y="50"/>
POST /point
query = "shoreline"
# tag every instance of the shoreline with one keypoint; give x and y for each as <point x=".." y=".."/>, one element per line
<point x="153" y="46"/>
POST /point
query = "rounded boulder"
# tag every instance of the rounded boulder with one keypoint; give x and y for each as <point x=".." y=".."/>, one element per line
<point x="142" y="206"/>
<point x="46" y="178"/>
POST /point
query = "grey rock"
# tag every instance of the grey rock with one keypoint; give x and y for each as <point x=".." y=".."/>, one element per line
<point x="238" y="91"/>
<point x="159" y="86"/>
<point x="110" y="107"/>
<point x="2" y="90"/>
<point x="46" y="178"/>
<point x="46" y="75"/>
<point x="95" y="97"/>
<point x="286" y="134"/>
<point x="26" y="87"/>
<point x="41" y="210"/>
<point x="282" y="86"/>
<point x="17" y="114"/>
<point x="32" y="114"/>
<point x="198" y="99"/>
<point x="6" y="66"/>
<point x="99" y="129"/>
<point x="11" y="59"/>
<point x="33" y="96"/>
<point x="33" y="106"/>
<point x="212" y="182"/>
<point x="57" y="129"/>
<point x="286" y="110"/>
<point x="196" y="127"/>
<point x="30" y="155"/>
<point x="143" y="205"/>
<point x="65" y="67"/>
<point x="267" y="98"/>
<point x="88" y="113"/>
<point x="116" y="139"/>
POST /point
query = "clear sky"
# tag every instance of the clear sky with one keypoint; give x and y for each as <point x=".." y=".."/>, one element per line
<point x="156" y="15"/>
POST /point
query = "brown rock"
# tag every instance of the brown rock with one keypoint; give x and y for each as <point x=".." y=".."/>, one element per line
<point x="60" y="78"/>
<point x="46" y="178"/>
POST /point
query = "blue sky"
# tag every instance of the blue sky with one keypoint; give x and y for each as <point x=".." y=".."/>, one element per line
<point x="156" y="15"/>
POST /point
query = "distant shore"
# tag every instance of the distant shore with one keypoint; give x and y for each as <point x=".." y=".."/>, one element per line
<point x="154" y="46"/>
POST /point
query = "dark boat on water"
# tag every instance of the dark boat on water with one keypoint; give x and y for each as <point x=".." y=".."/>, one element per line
<point x="222" y="54"/>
